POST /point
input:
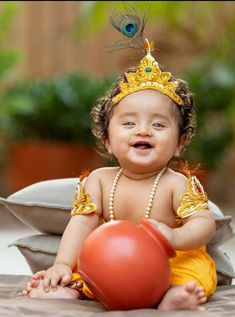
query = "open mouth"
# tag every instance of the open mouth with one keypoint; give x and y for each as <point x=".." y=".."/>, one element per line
<point x="142" y="145"/>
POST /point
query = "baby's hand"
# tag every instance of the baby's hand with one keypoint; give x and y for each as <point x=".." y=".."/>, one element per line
<point x="168" y="232"/>
<point x="57" y="274"/>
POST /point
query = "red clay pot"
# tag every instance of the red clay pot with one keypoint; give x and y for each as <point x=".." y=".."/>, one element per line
<point x="126" y="265"/>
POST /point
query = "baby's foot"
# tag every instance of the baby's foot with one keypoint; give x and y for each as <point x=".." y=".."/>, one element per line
<point x="34" y="289"/>
<point x="189" y="296"/>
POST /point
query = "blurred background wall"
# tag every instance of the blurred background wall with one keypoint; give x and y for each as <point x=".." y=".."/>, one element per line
<point x="46" y="48"/>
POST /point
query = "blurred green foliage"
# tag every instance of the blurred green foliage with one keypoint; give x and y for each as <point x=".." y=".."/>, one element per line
<point x="51" y="109"/>
<point x="204" y="23"/>
<point x="209" y="28"/>
<point x="9" y="57"/>
<point x="213" y="85"/>
<point x="59" y="108"/>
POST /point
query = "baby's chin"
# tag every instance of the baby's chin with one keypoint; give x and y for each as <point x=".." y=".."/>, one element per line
<point x="140" y="166"/>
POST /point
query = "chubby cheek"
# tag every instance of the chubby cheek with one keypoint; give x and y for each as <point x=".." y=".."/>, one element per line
<point x="168" y="144"/>
<point x="117" y="142"/>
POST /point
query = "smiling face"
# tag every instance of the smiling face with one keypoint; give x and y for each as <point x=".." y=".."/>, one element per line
<point x="143" y="132"/>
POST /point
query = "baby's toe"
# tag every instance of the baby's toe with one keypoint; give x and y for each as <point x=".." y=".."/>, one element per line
<point x="190" y="287"/>
<point x="201" y="295"/>
<point x="202" y="299"/>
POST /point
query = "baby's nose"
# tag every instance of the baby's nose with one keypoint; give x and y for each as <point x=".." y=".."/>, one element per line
<point x="143" y="130"/>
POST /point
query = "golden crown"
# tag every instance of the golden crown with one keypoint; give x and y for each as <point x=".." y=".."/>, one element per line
<point x="148" y="75"/>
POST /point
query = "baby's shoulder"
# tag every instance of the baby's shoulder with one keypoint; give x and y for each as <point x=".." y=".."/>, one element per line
<point x="103" y="173"/>
<point x="176" y="179"/>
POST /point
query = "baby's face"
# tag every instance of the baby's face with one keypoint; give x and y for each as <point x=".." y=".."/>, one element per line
<point x="143" y="132"/>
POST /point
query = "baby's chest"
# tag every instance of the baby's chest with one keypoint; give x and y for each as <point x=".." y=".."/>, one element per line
<point x="134" y="204"/>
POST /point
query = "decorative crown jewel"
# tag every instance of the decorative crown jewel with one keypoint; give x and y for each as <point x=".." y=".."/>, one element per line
<point x="148" y="75"/>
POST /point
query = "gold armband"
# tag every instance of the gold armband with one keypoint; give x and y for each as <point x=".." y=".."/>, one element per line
<point x="194" y="200"/>
<point x="82" y="204"/>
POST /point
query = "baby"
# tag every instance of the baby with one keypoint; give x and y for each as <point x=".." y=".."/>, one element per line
<point x="144" y="122"/>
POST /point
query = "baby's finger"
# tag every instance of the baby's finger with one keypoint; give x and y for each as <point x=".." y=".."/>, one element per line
<point x="29" y="287"/>
<point x="46" y="283"/>
<point x="66" y="279"/>
<point x="25" y="293"/>
<point x="54" y="281"/>
<point x="35" y="282"/>
<point x="39" y="274"/>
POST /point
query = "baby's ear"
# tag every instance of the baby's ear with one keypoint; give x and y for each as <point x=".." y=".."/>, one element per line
<point x="181" y="144"/>
<point x="108" y="147"/>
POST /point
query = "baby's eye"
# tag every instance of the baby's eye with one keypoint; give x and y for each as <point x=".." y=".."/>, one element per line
<point x="129" y="123"/>
<point x="158" y="125"/>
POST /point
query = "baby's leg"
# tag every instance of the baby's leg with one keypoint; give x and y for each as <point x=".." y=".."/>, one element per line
<point x="35" y="289"/>
<point x="188" y="296"/>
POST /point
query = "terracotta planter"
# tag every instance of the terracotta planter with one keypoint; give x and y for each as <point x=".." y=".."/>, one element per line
<point x="31" y="162"/>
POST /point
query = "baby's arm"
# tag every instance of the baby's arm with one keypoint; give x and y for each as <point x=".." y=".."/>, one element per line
<point x="77" y="230"/>
<point x="197" y="229"/>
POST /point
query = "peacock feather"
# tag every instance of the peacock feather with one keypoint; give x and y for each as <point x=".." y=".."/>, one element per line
<point x="131" y="25"/>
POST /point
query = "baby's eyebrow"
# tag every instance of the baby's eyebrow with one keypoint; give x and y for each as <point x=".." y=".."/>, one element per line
<point x="161" y="116"/>
<point x="154" y="116"/>
<point x="126" y="114"/>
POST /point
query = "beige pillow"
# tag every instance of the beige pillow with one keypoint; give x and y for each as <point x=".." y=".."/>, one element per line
<point x="39" y="250"/>
<point x="224" y="267"/>
<point x="224" y="231"/>
<point x="44" y="206"/>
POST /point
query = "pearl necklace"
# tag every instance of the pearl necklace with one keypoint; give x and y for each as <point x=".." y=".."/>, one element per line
<point x="151" y="196"/>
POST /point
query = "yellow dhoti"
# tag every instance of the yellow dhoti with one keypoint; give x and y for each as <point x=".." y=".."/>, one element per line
<point x="194" y="265"/>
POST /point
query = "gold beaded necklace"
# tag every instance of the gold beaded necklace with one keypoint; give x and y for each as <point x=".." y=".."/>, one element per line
<point x="151" y="196"/>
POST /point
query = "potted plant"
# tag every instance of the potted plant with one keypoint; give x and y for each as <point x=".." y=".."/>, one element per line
<point x="47" y="124"/>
